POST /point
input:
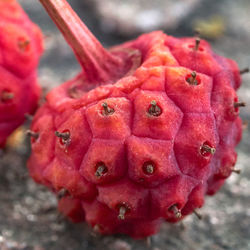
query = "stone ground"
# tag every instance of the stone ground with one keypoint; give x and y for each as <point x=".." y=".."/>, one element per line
<point x="28" y="216"/>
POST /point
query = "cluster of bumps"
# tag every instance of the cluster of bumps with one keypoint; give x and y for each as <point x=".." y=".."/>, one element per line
<point x="147" y="147"/>
<point x="140" y="136"/>
<point x="20" y="49"/>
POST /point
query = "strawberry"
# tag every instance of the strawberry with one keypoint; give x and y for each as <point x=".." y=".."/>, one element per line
<point x="141" y="134"/>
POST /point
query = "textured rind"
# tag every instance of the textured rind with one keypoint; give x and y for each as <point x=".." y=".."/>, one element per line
<point x="20" y="49"/>
<point x="191" y="115"/>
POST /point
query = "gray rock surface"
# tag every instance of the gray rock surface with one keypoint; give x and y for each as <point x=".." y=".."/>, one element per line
<point x="135" y="16"/>
<point x="28" y="216"/>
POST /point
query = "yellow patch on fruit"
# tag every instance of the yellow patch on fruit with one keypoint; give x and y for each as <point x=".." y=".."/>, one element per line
<point x="16" y="139"/>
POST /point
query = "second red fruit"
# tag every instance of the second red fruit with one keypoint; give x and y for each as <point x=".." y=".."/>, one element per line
<point x="20" y="49"/>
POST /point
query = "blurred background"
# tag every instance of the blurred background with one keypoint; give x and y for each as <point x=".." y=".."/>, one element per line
<point x="28" y="216"/>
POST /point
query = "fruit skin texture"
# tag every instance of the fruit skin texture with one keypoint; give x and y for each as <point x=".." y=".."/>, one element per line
<point x="135" y="144"/>
<point x="130" y="137"/>
<point x="20" y="49"/>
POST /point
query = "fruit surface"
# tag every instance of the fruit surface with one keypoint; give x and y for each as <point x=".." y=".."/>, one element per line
<point x="20" y="50"/>
<point x="133" y="145"/>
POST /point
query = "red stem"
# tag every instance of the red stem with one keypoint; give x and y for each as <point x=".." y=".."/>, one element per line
<point x="97" y="63"/>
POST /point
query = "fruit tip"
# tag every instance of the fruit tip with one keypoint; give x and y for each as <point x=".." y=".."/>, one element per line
<point x="239" y="104"/>
<point x="122" y="212"/>
<point x="245" y="70"/>
<point x="107" y="110"/>
<point x="176" y="211"/>
<point x="198" y="215"/>
<point x="154" y="109"/>
<point x="197" y="43"/>
<point x="33" y="134"/>
<point x="236" y="171"/>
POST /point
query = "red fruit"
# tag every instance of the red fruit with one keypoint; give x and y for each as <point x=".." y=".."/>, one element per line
<point x="20" y="50"/>
<point x="142" y="134"/>
<point x="71" y="208"/>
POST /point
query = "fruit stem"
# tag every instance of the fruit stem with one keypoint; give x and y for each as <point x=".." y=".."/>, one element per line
<point x="176" y="211"/>
<point x="98" y="64"/>
<point x="197" y="43"/>
<point x="192" y="80"/>
<point x="150" y="169"/>
<point x="236" y="171"/>
<point x="245" y="70"/>
<point x="32" y="134"/>
<point x="107" y="110"/>
<point x="65" y="137"/>
<point x="198" y="215"/>
<point x="154" y="109"/>
<point x="208" y="149"/>
<point x="62" y="193"/>
<point x="239" y="104"/>
<point x="122" y="212"/>
<point x="100" y="171"/>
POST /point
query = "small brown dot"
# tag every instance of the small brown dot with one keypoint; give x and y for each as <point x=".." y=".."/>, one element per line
<point x="34" y="135"/>
<point x="6" y="96"/>
<point x="154" y="109"/>
<point x="236" y="171"/>
<point x="206" y="149"/>
<point x="176" y="211"/>
<point x="198" y="215"/>
<point x="122" y="212"/>
<point x="245" y="70"/>
<point x="101" y="169"/>
<point x="197" y="43"/>
<point x="148" y="167"/>
<point x="62" y="193"/>
<point x="23" y="44"/>
<point x="123" y="209"/>
<point x="107" y="110"/>
<point x="239" y="104"/>
<point x="192" y="79"/>
<point x="64" y="137"/>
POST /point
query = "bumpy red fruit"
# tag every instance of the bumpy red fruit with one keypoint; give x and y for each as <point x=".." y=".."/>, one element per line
<point x="20" y="49"/>
<point x="142" y="134"/>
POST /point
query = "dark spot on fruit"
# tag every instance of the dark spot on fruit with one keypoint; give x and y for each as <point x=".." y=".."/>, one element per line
<point x="198" y="215"/>
<point x="245" y="70"/>
<point x="193" y="79"/>
<point x="235" y="170"/>
<point x="6" y="96"/>
<point x="62" y="193"/>
<point x="33" y="135"/>
<point x="196" y="46"/>
<point x="107" y="110"/>
<point x="207" y="149"/>
<point x="238" y="104"/>
<point x="123" y="208"/>
<point x="174" y="209"/>
<point x="64" y="137"/>
<point x="148" y="167"/>
<point x="101" y="169"/>
<point x="154" y="109"/>
<point x="23" y="44"/>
